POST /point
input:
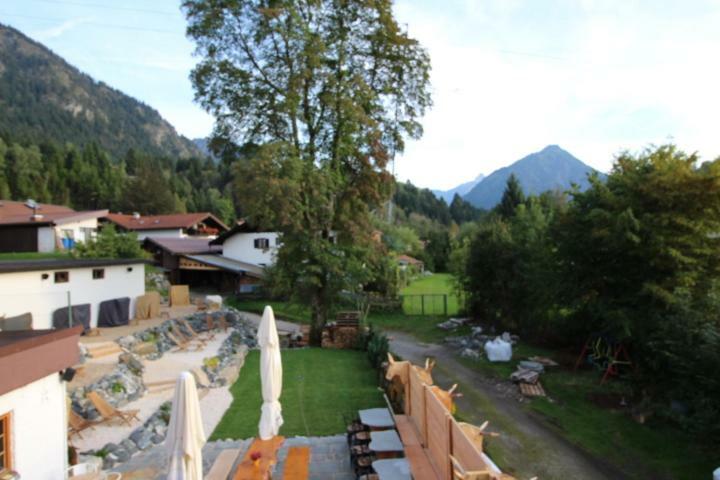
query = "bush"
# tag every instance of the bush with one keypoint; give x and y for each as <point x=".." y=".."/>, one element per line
<point x="378" y="347"/>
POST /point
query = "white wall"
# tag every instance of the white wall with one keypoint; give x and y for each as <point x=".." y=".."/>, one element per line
<point x="241" y="247"/>
<point x="38" y="428"/>
<point x="171" y="232"/>
<point x="76" y="228"/>
<point x="46" y="239"/>
<point x="22" y="292"/>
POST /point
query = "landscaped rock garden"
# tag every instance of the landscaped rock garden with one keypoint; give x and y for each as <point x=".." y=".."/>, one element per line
<point x="123" y="385"/>
<point x="152" y="432"/>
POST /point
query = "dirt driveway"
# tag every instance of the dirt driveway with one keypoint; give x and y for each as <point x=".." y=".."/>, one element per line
<point x="526" y="447"/>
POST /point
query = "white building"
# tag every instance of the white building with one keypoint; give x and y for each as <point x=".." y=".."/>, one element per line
<point x="35" y="227"/>
<point x="33" y="409"/>
<point x="177" y="225"/>
<point x="41" y="287"/>
<point x="246" y="244"/>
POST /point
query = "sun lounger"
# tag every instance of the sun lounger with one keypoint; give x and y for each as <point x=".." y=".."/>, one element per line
<point x="193" y="334"/>
<point x="76" y="423"/>
<point x="108" y="412"/>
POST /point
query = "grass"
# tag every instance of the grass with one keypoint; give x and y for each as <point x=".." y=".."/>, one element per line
<point x="426" y="295"/>
<point x="320" y="389"/>
<point x="287" y="311"/>
<point x="608" y="433"/>
<point x="33" y="255"/>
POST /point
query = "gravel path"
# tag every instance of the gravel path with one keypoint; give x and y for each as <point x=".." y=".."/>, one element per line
<point x="526" y="443"/>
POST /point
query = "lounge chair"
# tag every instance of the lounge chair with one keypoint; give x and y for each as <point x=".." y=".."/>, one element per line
<point x="108" y="412"/>
<point x="76" y="423"/>
<point x="193" y="334"/>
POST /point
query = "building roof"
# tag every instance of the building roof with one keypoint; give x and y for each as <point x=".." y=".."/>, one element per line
<point x="241" y="226"/>
<point x="178" y="246"/>
<point x="161" y="222"/>
<point x="21" y="213"/>
<point x="11" y="266"/>
<point x="229" y="264"/>
<point x="27" y="356"/>
<point x="408" y="259"/>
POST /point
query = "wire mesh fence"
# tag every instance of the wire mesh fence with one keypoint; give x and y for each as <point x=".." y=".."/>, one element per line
<point x="430" y="304"/>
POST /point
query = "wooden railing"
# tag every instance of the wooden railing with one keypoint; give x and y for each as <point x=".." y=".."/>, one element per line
<point x="439" y="433"/>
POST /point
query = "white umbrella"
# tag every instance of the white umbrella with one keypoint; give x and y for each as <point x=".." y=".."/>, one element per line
<point x="270" y="375"/>
<point x="185" y="435"/>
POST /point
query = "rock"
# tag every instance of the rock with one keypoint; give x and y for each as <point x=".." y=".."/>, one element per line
<point x="129" y="446"/>
<point x="111" y="447"/>
<point x="109" y="461"/>
<point x="121" y="455"/>
<point x="145" y="348"/>
<point x="156" y="438"/>
<point x="92" y="460"/>
<point x="469" y="353"/>
<point x="142" y="438"/>
<point x="201" y="377"/>
<point x="534" y="366"/>
<point x="132" y="362"/>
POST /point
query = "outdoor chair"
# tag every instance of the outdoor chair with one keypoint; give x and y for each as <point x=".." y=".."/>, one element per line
<point x="193" y="334"/>
<point x="182" y="343"/>
<point x="76" y="424"/>
<point x="108" y="412"/>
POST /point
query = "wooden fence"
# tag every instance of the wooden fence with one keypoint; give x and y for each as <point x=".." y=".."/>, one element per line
<point x="440" y="434"/>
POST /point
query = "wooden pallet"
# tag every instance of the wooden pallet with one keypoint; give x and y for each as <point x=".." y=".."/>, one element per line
<point x="532" y="390"/>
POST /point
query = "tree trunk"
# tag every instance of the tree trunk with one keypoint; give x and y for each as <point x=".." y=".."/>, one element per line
<point x="318" y="319"/>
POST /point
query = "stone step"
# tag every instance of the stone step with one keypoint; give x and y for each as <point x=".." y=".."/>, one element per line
<point x="223" y="465"/>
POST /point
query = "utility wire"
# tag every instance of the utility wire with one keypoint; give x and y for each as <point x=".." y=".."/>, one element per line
<point x="96" y="24"/>
<point x="108" y="7"/>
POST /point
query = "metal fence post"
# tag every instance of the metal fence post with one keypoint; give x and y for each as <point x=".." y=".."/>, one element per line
<point x="422" y="303"/>
<point x="445" y="304"/>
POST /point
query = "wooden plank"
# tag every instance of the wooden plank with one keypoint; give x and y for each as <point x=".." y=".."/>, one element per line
<point x="438" y="433"/>
<point x="417" y="408"/>
<point x="532" y="390"/>
<point x="224" y="462"/>
<point x="405" y="428"/>
<point x="420" y="465"/>
<point x="297" y="464"/>
<point x="268" y="450"/>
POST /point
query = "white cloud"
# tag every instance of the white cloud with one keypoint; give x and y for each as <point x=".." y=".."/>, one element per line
<point x="595" y="77"/>
<point x="56" y="31"/>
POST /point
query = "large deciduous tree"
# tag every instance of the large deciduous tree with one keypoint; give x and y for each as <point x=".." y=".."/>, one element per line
<point x="326" y="91"/>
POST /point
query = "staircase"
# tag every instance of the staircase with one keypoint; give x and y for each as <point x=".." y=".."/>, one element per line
<point x="102" y="349"/>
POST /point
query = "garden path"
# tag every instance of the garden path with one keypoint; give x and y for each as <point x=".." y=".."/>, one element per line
<point x="526" y="446"/>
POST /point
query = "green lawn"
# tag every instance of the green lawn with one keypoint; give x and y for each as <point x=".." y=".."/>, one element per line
<point x="608" y="432"/>
<point x="428" y="296"/>
<point x="320" y="387"/>
<point x="33" y="255"/>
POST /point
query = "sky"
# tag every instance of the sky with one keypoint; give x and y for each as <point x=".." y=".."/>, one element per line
<point x="509" y="76"/>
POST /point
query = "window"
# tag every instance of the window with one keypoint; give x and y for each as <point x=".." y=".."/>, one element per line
<point x="98" y="273"/>
<point x="5" y="457"/>
<point x="88" y="233"/>
<point x="277" y="241"/>
<point x="262" y="243"/>
<point x="62" y="277"/>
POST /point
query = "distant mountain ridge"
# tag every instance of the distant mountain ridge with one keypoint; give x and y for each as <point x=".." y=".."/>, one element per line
<point x="42" y="97"/>
<point x="550" y="168"/>
<point x="461" y="189"/>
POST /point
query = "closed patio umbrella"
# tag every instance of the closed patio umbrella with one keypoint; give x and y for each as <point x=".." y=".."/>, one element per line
<point x="185" y="435"/>
<point x="270" y="375"/>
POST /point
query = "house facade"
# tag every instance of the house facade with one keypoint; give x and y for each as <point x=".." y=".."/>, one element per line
<point x="34" y="227"/>
<point x="181" y="225"/>
<point x="42" y="287"/>
<point x="33" y="409"/>
<point x="246" y="244"/>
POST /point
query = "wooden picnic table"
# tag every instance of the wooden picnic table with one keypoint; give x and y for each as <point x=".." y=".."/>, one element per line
<point x="248" y="470"/>
<point x="376" y="418"/>
<point x="386" y="443"/>
<point x="392" y="469"/>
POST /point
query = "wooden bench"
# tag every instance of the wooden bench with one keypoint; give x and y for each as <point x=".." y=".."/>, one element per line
<point x="421" y="466"/>
<point x="222" y="467"/>
<point x="268" y="450"/>
<point x="297" y="464"/>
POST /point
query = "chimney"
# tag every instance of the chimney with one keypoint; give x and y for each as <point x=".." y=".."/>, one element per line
<point x="136" y="215"/>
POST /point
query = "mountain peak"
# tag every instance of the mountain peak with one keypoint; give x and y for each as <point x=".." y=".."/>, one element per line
<point x="550" y="168"/>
